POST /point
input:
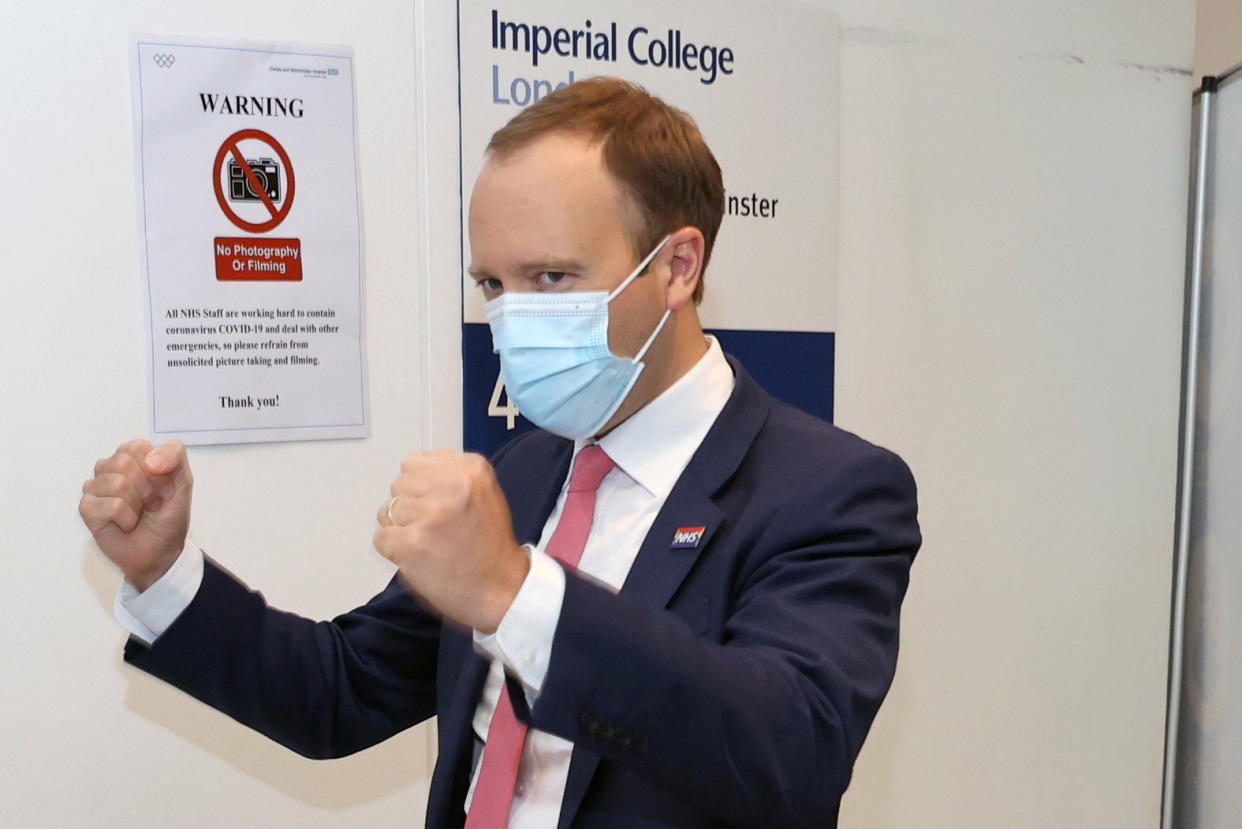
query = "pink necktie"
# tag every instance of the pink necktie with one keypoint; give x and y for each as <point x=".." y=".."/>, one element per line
<point x="502" y="755"/>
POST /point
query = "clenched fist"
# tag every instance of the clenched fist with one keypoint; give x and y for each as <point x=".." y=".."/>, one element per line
<point x="448" y="530"/>
<point x="138" y="508"/>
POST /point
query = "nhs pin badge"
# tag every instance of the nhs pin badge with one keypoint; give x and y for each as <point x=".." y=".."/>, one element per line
<point x="687" y="538"/>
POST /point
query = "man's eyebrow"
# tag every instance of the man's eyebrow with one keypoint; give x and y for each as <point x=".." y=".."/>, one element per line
<point x="551" y="263"/>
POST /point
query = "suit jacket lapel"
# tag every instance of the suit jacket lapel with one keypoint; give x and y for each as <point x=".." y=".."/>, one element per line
<point x="659" y="569"/>
<point x="531" y="502"/>
<point x="656" y="574"/>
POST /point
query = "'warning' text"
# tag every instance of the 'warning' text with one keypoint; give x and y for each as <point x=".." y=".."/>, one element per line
<point x="250" y="105"/>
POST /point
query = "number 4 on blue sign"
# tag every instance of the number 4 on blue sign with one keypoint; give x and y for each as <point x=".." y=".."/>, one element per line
<point x="508" y="410"/>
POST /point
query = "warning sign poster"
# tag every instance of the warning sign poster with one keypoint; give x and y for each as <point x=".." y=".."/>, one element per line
<point x="250" y="232"/>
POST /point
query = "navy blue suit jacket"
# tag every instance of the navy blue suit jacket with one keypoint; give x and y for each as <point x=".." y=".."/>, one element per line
<point x="728" y="684"/>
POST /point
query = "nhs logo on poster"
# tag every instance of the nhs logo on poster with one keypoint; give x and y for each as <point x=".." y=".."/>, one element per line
<point x="765" y="98"/>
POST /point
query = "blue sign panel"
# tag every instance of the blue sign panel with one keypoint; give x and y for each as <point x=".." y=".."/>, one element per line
<point x="794" y="366"/>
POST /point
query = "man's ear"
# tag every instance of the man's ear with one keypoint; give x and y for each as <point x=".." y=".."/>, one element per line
<point x="684" y="252"/>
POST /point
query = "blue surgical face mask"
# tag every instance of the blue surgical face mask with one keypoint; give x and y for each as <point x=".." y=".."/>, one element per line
<point x="555" y="360"/>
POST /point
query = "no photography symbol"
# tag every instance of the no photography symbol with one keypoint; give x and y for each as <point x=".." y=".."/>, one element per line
<point x="256" y="183"/>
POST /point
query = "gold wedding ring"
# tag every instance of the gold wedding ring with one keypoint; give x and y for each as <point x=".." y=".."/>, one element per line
<point x="392" y="522"/>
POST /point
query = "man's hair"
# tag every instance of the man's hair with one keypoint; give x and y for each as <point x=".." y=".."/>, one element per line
<point x="654" y="150"/>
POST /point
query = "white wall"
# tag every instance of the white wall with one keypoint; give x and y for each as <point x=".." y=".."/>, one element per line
<point x="1013" y="187"/>
<point x="1013" y="201"/>
<point x="88" y="741"/>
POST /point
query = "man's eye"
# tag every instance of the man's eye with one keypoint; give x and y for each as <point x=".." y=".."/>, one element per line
<point x="491" y="285"/>
<point x="549" y="278"/>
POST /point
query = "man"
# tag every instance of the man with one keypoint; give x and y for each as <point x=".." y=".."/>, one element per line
<point x="675" y="605"/>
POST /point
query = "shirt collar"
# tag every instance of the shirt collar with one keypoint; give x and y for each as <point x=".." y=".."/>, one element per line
<point x="655" y="443"/>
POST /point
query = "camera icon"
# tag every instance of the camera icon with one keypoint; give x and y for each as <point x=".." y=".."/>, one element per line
<point x="266" y="170"/>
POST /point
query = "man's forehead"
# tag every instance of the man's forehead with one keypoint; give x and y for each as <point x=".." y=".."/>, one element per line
<point x="556" y="149"/>
<point x="567" y="161"/>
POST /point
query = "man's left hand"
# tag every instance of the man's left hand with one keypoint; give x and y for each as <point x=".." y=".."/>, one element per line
<point x="449" y="531"/>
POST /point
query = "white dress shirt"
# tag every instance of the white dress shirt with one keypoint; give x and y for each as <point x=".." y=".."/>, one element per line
<point x="651" y="448"/>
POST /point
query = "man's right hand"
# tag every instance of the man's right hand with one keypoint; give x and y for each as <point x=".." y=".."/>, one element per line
<point x="138" y="508"/>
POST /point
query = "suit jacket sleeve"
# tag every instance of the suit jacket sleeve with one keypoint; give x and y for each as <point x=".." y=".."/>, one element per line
<point x="323" y="689"/>
<point x="760" y="722"/>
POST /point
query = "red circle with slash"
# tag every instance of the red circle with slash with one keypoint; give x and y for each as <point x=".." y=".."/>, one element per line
<point x="230" y="146"/>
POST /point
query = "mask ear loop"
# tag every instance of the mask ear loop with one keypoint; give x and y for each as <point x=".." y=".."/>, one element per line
<point x="637" y="358"/>
<point x="641" y="267"/>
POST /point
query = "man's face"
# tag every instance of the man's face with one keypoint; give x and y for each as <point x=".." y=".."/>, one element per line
<point x="549" y="217"/>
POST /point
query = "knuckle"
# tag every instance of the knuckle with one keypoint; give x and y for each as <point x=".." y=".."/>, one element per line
<point x="114" y="483"/>
<point x="433" y="512"/>
<point x="408" y="539"/>
<point x="484" y="475"/>
<point x="457" y="496"/>
<point x="389" y="541"/>
<point x="130" y="446"/>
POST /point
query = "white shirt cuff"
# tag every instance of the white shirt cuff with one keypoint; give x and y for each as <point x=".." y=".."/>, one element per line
<point x="523" y="640"/>
<point x="148" y="614"/>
